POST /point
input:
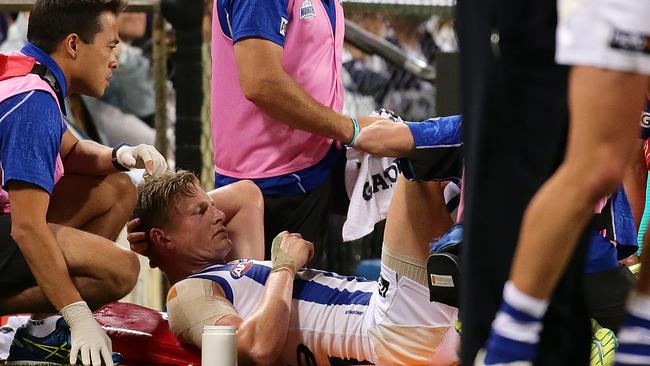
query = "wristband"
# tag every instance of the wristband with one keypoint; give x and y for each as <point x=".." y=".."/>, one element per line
<point x="116" y="164"/>
<point x="355" y="133"/>
<point x="280" y="260"/>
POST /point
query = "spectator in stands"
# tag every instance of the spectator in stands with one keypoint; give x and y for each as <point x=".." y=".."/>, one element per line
<point x="125" y="112"/>
<point x="413" y="97"/>
<point x="16" y="36"/>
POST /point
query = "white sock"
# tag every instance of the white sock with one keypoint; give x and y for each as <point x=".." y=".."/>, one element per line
<point x="524" y="302"/>
<point x="42" y="327"/>
<point x="638" y="305"/>
<point x="520" y="316"/>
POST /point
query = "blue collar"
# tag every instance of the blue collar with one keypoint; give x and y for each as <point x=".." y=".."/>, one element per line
<point x="32" y="50"/>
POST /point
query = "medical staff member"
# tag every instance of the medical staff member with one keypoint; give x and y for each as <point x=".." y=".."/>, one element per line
<point x="277" y="98"/>
<point x="56" y="248"/>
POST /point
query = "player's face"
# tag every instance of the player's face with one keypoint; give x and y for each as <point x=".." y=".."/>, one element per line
<point x="98" y="59"/>
<point x="197" y="228"/>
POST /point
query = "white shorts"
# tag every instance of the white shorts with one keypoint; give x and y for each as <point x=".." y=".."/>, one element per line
<point x="611" y="34"/>
<point x="406" y="328"/>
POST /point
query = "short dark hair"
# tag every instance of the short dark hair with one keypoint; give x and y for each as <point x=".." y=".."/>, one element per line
<point x="51" y="21"/>
<point x="157" y="195"/>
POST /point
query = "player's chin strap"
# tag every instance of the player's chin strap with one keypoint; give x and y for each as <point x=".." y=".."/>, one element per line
<point x="280" y="260"/>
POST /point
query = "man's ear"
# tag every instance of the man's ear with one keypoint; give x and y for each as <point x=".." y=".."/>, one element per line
<point x="159" y="238"/>
<point x="71" y="43"/>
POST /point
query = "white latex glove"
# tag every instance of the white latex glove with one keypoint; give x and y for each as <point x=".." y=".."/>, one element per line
<point x="142" y="156"/>
<point x="87" y="336"/>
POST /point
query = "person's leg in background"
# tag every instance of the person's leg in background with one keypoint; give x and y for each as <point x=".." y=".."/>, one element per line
<point x="634" y="336"/>
<point x="306" y="214"/>
<point x="514" y="98"/>
<point x="606" y="293"/>
<point x="312" y="214"/>
<point x="603" y="129"/>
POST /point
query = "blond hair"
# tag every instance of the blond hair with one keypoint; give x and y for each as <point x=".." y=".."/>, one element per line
<point x="157" y="195"/>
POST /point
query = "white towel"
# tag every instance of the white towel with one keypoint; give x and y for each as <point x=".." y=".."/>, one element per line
<point x="370" y="182"/>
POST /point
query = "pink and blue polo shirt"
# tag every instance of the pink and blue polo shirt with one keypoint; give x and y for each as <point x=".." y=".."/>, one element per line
<point x="247" y="143"/>
<point x="31" y="128"/>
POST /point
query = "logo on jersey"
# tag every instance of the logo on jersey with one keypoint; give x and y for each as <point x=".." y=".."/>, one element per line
<point x="383" y="286"/>
<point x="627" y="41"/>
<point x="283" y="26"/>
<point x="353" y="312"/>
<point x="239" y="269"/>
<point x="307" y="10"/>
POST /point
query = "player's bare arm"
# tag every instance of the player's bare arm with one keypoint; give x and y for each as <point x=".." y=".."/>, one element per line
<point x="271" y="320"/>
<point x="90" y="158"/>
<point x="266" y="84"/>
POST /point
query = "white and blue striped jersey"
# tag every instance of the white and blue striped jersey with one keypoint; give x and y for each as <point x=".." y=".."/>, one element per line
<point x="333" y="317"/>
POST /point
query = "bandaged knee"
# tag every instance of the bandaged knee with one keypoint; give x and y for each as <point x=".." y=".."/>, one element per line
<point x="193" y="303"/>
<point x="403" y="265"/>
<point x="281" y="260"/>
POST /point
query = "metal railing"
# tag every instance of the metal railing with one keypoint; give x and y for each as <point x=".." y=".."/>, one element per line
<point x="442" y="7"/>
<point x="24" y="5"/>
<point x="403" y="2"/>
<point x="375" y="45"/>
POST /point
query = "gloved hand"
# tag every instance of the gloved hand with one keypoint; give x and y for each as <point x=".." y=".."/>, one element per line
<point x="87" y="336"/>
<point x="142" y="156"/>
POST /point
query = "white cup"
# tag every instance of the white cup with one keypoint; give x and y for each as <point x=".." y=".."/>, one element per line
<point x="219" y="346"/>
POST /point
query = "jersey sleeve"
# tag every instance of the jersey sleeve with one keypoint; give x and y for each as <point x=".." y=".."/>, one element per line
<point x="31" y="129"/>
<point x="267" y="19"/>
<point x="437" y="132"/>
<point x="438" y="150"/>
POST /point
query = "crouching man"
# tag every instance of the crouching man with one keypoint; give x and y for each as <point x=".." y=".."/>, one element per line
<point x="63" y="201"/>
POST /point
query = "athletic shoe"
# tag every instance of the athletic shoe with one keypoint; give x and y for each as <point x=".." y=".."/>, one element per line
<point x="53" y="349"/>
<point x="635" y="269"/>
<point x="603" y="345"/>
<point x="458" y="325"/>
